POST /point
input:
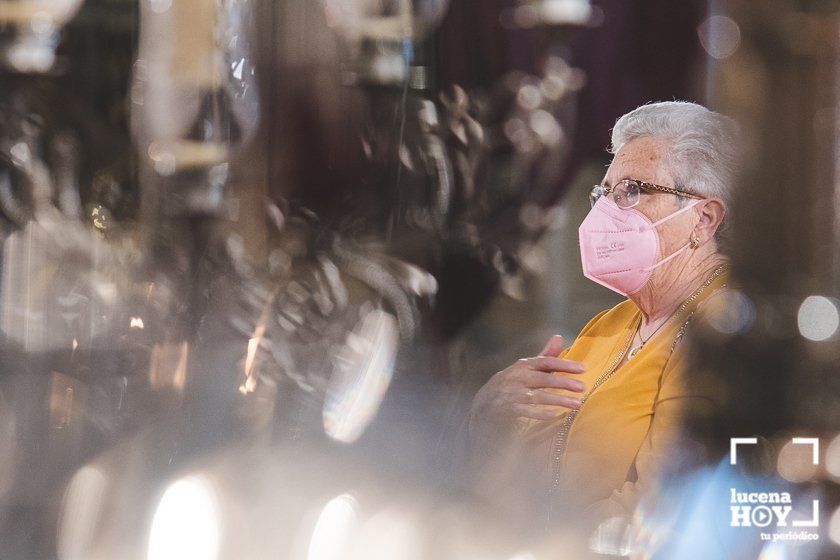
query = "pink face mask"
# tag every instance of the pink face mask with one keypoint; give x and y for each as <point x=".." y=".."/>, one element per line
<point x="619" y="246"/>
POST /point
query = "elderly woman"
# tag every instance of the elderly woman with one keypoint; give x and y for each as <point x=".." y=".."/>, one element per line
<point x="583" y="429"/>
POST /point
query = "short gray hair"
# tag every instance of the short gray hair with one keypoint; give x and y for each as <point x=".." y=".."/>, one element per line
<point x="704" y="151"/>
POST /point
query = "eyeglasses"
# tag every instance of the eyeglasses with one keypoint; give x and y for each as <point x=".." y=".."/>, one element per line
<point x="626" y="193"/>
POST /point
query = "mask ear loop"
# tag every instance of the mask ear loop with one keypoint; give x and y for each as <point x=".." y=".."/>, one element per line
<point x="668" y="258"/>
<point x="675" y="214"/>
<point x="678" y="251"/>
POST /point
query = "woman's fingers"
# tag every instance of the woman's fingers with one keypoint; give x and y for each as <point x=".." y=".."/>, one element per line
<point x="519" y="388"/>
<point x="540" y="379"/>
<point x="538" y="396"/>
<point x="548" y="363"/>
<point x="553" y="347"/>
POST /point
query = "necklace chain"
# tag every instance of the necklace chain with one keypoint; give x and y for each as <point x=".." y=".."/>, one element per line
<point x="635" y="349"/>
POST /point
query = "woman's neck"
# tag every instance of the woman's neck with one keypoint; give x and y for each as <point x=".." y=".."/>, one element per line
<point x="665" y="292"/>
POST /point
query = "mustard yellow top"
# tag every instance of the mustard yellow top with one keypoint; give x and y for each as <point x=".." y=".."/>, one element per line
<point x="626" y="426"/>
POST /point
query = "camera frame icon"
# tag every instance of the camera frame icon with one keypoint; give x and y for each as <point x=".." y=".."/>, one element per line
<point x="815" y="460"/>
<point x="812" y="441"/>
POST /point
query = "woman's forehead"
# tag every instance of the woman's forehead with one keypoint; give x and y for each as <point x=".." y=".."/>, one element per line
<point x="641" y="158"/>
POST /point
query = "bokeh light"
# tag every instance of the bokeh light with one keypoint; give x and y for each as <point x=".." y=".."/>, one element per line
<point x="361" y="376"/>
<point x="731" y="312"/>
<point x="334" y="529"/>
<point x="834" y="526"/>
<point x="81" y="513"/>
<point x="389" y="534"/>
<point x="818" y="318"/>
<point x="186" y="523"/>
<point x="796" y="461"/>
<point x="832" y="457"/>
<point x="523" y="556"/>
<point x="720" y="36"/>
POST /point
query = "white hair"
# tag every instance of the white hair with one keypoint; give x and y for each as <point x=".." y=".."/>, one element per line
<point x="704" y="147"/>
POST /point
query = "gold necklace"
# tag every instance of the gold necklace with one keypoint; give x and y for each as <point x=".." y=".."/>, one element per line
<point x="636" y="349"/>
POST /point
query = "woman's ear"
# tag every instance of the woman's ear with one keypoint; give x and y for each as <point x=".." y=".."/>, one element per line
<point x="712" y="212"/>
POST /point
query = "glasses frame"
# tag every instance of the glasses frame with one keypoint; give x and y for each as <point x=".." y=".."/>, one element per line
<point x="643" y="185"/>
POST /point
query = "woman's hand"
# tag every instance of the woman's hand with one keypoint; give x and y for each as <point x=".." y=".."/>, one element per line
<point x="518" y="390"/>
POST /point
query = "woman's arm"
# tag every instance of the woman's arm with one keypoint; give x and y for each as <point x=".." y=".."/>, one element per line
<point x="665" y="443"/>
